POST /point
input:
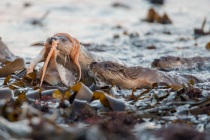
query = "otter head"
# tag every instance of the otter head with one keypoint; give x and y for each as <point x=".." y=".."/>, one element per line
<point x="109" y="71"/>
<point x="167" y="63"/>
<point x="67" y="45"/>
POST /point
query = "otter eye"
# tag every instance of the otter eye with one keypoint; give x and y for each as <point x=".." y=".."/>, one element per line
<point x="63" y="40"/>
<point x="178" y="59"/>
<point x="106" y="65"/>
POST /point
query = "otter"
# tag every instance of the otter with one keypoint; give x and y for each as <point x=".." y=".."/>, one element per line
<point x="180" y="63"/>
<point x="67" y="50"/>
<point x="137" y="76"/>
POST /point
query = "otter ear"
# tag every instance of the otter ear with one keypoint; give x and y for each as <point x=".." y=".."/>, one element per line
<point x="178" y="59"/>
<point x="122" y="70"/>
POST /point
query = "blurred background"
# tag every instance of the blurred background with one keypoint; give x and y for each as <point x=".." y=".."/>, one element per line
<point x="112" y="26"/>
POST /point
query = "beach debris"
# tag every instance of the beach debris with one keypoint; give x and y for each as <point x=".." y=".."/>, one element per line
<point x="39" y="21"/>
<point x="120" y="5"/>
<point x="177" y="132"/>
<point x="200" y="31"/>
<point x="208" y="46"/>
<point x="154" y="17"/>
<point x="101" y="110"/>
<point x="38" y="43"/>
<point x="27" y="4"/>
<point x="11" y="67"/>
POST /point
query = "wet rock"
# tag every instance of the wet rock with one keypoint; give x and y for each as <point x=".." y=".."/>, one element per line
<point x="117" y="126"/>
<point x="165" y="19"/>
<point x="118" y="27"/>
<point x="116" y="36"/>
<point x="11" y="67"/>
<point x="137" y="43"/>
<point x="154" y="17"/>
<point x="167" y="32"/>
<point x="20" y="129"/>
<point x="180" y="133"/>
<point x="134" y="35"/>
<point x="152" y="47"/>
<point x="27" y="4"/>
<point x="120" y="5"/>
<point x="5" y="53"/>
<point x="6" y="93"/>
<point x="157" y="1"/>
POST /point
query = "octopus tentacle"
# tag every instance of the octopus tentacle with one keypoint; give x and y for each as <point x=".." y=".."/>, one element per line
<point x="52" y="51"/>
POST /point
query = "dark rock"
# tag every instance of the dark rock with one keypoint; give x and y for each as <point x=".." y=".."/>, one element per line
<point x="120" y="5"/>
<point x="152" y="47"/>
<point x="200" y="31"/>
<point x="180" y="133"/>
<point x="5" y="53"/>
<point x="27" y="4"/>
<point x="154" y="17"/>
<point x="157" y="1"/>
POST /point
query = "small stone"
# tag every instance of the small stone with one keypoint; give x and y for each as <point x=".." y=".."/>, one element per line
<point x="152" y="47"/>
<point x="157" y="1"/>
<point x="116" y="36"/>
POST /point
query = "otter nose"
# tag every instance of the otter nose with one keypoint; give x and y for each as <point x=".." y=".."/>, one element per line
<point x="51" y="40"/>
<point x="156" y="60"/>
<point x="92" y="64"/>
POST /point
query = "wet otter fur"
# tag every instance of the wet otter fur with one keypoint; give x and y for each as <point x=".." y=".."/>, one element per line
<point x="137" y="76"/>
<point x="168" y="63"/>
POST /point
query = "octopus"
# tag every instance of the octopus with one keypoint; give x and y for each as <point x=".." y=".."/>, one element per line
<point x="181" y="63"/>
<point x="137" y="77"/>
<point x="62" y="54"/>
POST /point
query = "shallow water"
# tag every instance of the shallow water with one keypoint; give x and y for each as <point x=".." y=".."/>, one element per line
<point x="94" y="22"/>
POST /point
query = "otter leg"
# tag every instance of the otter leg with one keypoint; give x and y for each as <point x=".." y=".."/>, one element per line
<point x="35" y="61"/>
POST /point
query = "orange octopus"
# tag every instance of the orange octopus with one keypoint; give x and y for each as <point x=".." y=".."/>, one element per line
<point x="74" y="54"/>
